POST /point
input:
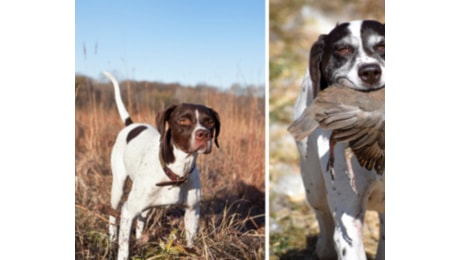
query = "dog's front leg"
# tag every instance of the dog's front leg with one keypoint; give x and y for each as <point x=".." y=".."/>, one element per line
<point x="346" y="199"/>
<point x="141" y="223"/>
<point x="348" y="235"/>
<point x="113" y="229"/>
<point x="348" y="211"/>
<point x="192" y="217"/>
<point x="126" y="221"/>
<point x="192" y="212"/>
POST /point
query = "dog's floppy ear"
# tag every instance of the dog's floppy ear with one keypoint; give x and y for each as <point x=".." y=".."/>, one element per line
<point x="216" y="119"/>
<point x="316" y="55"/>
<point x="166" y="145"/>
<point x="162" y="118"/>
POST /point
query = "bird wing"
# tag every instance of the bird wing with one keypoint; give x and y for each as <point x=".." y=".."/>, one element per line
<point x="304" y="125"/>
<point x="355" y="117"/>
<point x="358" y="120"/>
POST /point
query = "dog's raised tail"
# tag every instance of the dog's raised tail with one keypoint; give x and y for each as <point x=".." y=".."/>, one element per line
<point x="120" y="106"/>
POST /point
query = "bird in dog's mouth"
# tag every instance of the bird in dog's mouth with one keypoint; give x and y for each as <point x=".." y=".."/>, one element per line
<point x="354" y="116"/>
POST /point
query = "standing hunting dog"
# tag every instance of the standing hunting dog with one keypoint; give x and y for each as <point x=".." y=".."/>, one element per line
<point x="161" y="162"/>
<point x="338" y="186"/>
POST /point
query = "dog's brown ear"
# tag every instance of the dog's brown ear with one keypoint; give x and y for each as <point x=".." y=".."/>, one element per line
<point x="162" y="118"/>
<point x="316" y="55"/>
<point x="166" y="148"/>
<point x="216" y="119"/>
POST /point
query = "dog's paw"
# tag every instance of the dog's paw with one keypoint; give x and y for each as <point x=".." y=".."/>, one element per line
<point x="144" y="239"/>
<point x="192" y="250"/>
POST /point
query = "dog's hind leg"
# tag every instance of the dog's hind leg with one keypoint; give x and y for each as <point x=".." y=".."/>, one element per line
<point x="126" y="221"/>
<point x="119" y="176"/>
<point x="113" y="229"/>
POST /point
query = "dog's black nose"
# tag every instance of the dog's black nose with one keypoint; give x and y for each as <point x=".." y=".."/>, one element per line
<point x="370" y="73"/>
<point x="202" y="135"/>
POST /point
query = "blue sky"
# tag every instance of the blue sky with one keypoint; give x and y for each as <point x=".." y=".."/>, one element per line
<point x="191" y="42"/>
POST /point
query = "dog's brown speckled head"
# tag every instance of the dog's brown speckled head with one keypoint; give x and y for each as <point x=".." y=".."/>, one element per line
<point x="188" y="127"/>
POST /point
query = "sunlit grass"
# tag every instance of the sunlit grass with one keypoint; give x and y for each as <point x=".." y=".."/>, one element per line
<point x="232" y="225"/>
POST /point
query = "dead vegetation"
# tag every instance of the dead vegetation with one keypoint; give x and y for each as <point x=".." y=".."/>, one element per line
<point x="232" y="225"/>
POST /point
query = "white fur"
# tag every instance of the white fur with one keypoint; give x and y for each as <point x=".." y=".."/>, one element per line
<point x="120" y="106"/>
<point x="197" y="127"/>
<point x="139" y="160"/>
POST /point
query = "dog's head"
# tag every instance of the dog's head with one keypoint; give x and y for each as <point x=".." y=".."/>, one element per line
<point x="352" y="54"/>
<point x="189" y="127"/>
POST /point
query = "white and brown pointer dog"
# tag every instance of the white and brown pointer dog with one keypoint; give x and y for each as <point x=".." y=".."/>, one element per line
<point x="354" y="53"/>
<point x="161" y="164"/>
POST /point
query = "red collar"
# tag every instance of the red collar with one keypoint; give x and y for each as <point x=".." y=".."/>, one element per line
<point x="176" y="180"/>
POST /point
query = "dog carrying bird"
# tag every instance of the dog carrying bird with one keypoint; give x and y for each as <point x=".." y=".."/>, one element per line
<point x="341" y="141"/>
<point x="356" y="117"/>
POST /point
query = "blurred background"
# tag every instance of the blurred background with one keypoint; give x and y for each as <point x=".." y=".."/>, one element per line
<point x="293" y="27"/>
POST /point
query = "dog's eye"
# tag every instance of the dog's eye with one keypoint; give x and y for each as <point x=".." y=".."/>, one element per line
<point x="380" y="48"/>
<point x="184" y="121"/>
<point x="344" y="50"/>
<point x="208" y="122"/>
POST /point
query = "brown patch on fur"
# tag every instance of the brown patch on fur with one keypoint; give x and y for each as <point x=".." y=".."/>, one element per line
<point x="135" y="132"/>
<point x="128" y="121"/>
<point x="166" y="148"/>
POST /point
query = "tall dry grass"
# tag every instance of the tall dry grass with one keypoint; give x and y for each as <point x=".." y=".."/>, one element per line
<point x="232" y="225"/>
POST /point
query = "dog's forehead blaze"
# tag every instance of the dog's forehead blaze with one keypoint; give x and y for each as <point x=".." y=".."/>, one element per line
<point x="355" y="28"/>
<point x="189" y="109"/>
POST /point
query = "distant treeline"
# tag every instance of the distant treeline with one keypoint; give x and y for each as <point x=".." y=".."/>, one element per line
<point x="156" y="95"/>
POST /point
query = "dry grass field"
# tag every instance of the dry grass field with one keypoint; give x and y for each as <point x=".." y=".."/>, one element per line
<point x="232" y="225"/>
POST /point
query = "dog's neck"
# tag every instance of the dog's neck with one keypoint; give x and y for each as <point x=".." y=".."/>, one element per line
<point x="179" y="170"/>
